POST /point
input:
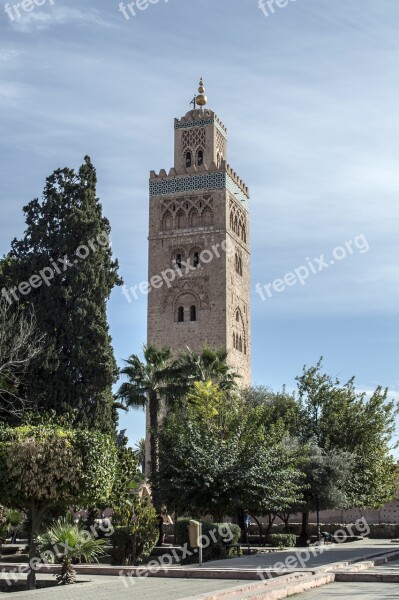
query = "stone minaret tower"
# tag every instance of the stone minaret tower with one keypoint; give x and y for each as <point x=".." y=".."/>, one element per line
<point x="199" y="268"/>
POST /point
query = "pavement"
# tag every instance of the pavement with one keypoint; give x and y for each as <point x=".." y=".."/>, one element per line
<point x="359" y="572"/>
<point x="354" y="591"/>
<point x="306" y="558"/>
<point x="104" y="587"/>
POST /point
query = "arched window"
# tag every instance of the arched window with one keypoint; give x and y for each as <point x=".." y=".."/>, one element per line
<point x="245" y="347"/>
<point x="200" y="158"/>
<point x="180" y="314"/>
<point x="181" y="220"/>
<point x="240" y="344"/>
<point x="238" y="264"/>
<point x="237" y="316"/>
<point x="196" y="259"/>
<point x="178" y="260"/>
<point x="194" y="219"/>
<point x="207" y="217"/>
<point x="193" y="313"/>
<point x="167" y="222"/>
<point x="188" y="159"/>
<point x="244" y="234"/>
<point x="234" y="340"/>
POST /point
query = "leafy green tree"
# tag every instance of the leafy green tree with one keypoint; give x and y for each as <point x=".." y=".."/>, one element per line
<point x="126" y="483"/>
<point x="342" y="419"/>
<point x="326" y="484"/>
<point x="65" y="542"/>
<point x="64" y="266"/>
<point x="149" y="381"/>
<point x="47" y="467"/>
<point x="215" y="458"/>
<point x="279" y="410"/>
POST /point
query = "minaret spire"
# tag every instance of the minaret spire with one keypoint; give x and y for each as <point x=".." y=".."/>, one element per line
<point x="201" y="99"/>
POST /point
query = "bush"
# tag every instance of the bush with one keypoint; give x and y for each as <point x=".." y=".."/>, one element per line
<point x="219" y="536"/>
<point x="377" y="531"/>
<point x="66" y="542"/>
<point x="14" y="518"/>
<point x="383" y="531"/>
<point x="133" y="543"/>
<point x="281" y="540"/>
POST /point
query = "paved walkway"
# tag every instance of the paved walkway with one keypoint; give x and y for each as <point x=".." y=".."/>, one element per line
<point x="117" y="588"/>
<point x="104" y="587"/>
<point x="354" y="591"/>
<point x="305" y="558"/>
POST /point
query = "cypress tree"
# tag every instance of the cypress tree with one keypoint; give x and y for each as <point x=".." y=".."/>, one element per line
<point x="66" y="260"/>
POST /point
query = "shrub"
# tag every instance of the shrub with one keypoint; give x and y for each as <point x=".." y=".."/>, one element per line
<point x="65" y="542"/>
<point x="282" y="540"/>
<point x="134" y="542"/>
<point x="14" y="518"/>
<point x="219" y="536"/>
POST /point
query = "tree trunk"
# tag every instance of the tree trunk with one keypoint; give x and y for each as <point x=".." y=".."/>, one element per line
<point x="270" y="520"/>
<point x="36" y="517"/>
<point x="304" y="538"/>
<point x="318" y="519"/>
<point x="241" y="524"/>
<point x="175" y="529"/>
<point x="218" y="516"/>
<point x="260" y="529"/>
<point x="154" y="458"/>
<point x="286" y="520"/>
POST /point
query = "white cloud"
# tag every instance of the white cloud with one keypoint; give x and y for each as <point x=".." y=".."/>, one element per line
<point x="7" y="56"/>
<point x="40" y="19"/>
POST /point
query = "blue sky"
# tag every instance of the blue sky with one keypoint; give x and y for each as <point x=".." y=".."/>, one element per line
<point x="309" y="95"/>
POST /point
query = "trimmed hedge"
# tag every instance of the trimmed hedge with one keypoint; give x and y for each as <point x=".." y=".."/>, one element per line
<point x="282" y="540"/>
<point x="382" y="531"/>
<point x="218" y="535"/>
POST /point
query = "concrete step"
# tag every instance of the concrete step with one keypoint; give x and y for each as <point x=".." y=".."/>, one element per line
<point x="270" y="590"/>
<point x="368" y="577"/>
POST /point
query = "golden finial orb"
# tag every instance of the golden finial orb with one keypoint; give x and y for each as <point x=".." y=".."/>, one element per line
<point x="201" y="99"/>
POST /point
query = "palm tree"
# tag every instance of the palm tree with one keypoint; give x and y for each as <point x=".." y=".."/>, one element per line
<point x="149" y="381"/>
<point x="210" y="365"/>
<point x="65" y="541"/>
<point x="139" y="451"/>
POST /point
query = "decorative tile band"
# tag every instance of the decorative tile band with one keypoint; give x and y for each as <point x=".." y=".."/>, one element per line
<point x="208" y="181"/>
<point x="201" y="123"/>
